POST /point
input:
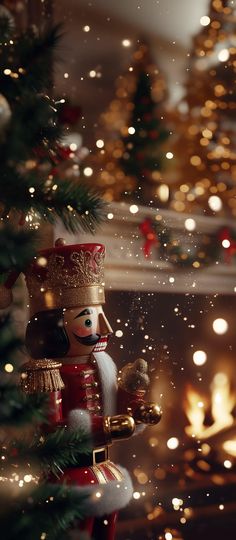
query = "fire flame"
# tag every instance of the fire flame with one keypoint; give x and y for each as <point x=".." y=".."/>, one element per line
<point x="222" y="404"/>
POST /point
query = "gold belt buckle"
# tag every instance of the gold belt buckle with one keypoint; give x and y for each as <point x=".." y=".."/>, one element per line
<point x="97" y="451"/>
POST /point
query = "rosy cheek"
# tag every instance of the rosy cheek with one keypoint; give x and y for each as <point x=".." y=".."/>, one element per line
<point x="82" y="331"/>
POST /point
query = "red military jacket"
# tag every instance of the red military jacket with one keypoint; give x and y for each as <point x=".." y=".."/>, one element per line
<point x="90" y="393"/>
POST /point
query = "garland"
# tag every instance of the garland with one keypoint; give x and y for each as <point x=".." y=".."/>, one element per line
<point x="189" y="250"/>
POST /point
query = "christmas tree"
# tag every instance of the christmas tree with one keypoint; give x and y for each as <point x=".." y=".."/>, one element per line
<point x="131" y="151"/>
<point x="31" y="506"/>
<point x="205" y="172"/>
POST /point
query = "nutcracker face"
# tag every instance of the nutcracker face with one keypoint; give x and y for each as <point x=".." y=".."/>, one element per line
<point x="87" y="329"/>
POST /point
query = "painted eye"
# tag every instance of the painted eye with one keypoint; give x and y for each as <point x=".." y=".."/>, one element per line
<point x="88" y="323"/>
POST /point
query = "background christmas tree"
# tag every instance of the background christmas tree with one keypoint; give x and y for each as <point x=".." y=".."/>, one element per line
<point x="204" y="175"/>
<point x="31" y="192"/>
<point x="131" y="151"/>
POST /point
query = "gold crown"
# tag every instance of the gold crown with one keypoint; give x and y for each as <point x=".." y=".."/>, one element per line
<point x="67" y="276"/>
<point x="88" y="269"/>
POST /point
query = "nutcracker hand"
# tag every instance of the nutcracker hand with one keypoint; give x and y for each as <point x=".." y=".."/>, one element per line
<point x="147" y="413"/>
<point x="120" y="426"/>
<point x="134" y="376"/>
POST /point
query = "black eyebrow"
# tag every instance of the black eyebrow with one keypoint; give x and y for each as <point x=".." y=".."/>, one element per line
<point x="84" y="312"/>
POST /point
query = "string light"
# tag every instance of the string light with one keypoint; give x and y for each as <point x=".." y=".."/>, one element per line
<point x="190" y="224"/>
<point x="126" y="42"/>
<point x="88" y="171"/>
<point x="172" y="443"/>
<point x="199" y="358"/>
<point x="205" y="20"/>
<point x="133" y="209"/>
<point x="223" y="55"/>
<point x="220" y="326"/>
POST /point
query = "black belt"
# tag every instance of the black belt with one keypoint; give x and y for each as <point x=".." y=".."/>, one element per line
<point x="97" y="456"/>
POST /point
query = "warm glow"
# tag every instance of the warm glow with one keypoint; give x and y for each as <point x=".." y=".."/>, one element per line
<point x="163" y="192"/>
<point x="228" y="464"/>
<point x="230" y="447"/>
<point x="215" y="203"/>
<point x="169" y="155"/>
<point x="172" y="443"/>
<point x="222" y="400"/>
<point x="190" y="224"/>
<point x="131" y="130"/>
<point x="222" y="405"/>
<point x="133" y="209"/>
<point x="99" y="143"/>
<point x="126" y="42"/>
<point x="88" y="171"/>
<point x="225" y="243"/>
<point x="8" y="368"/>
<point x="220" y="326"/>
<point x="205" y="20"/>
<point x="223" y="55"/>
<point x="199" y="358"/>
<point x="194" y="412"/>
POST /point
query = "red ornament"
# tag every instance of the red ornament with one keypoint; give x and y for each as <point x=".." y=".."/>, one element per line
<point x="150" y="236"/>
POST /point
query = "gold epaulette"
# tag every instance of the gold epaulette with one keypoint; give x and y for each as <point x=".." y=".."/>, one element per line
<point x="41" y="376"/>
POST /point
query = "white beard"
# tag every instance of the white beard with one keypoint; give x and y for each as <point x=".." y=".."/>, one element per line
<point x="108" y="376"/>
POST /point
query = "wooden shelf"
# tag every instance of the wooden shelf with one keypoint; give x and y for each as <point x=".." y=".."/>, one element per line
<point x="128" y="269"/>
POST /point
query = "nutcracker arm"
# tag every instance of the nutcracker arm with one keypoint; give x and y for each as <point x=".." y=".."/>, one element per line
<point x="133" y="404"/>
<point x="103" y="429"/>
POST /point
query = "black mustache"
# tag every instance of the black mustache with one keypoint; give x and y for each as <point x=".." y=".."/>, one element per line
<point x="92" y="339"/>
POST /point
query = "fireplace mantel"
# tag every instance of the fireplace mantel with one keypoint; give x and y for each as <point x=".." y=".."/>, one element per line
<point x="128" y="269"/>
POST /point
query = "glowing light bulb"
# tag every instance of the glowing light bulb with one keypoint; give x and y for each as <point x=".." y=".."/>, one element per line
<point x="88" y="171"/>
<point x="131" y="130"/>
<point x="119" y="333"/>
<point x="169" y="155"/>
<point x="205" y="20"/>
<point x="190" y="224"/>
<point x="223" y="55"/>
<point x="173" y="443"/>
<point x="225" y="243"/>
<point x="126" y="42"/>
<point x="133" y="209"/>
<point x="199" y="358"/>
<point x="228" y="464"/>
<point x="100" y="143"/>
<point x="215" y="203"/>
<point x="220" y="326"/>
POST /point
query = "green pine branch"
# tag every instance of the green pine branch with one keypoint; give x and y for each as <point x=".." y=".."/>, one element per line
<point x="17" y="409"/>
<point x="50" y="509"/>
<point x="55" y="451"/>
<point x="76" y="205"/>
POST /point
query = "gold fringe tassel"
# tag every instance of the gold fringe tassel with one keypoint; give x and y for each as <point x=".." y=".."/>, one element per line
<point x="41" y="376"/>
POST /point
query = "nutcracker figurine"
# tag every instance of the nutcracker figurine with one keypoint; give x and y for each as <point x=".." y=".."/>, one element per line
<point x="66" y="337"/>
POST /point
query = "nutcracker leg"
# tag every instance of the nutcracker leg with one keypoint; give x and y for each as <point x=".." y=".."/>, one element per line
<point x="104" y="528"/>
